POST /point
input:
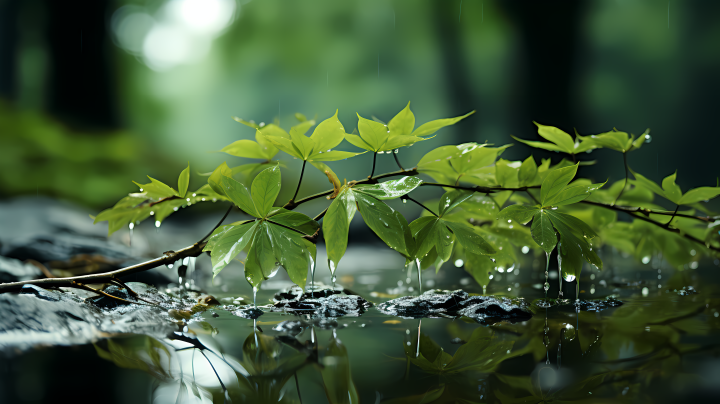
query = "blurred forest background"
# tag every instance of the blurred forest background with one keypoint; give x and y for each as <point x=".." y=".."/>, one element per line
<point x="95" y="94"/>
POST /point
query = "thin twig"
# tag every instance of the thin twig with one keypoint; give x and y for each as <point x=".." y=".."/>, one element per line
<point x="424" y="207"/>
<point x="373" y="168"/>
<point x="321" y="214"/>
<point x="217" y="225"/>
<point x="302" y="171"/>
<point x="626" y="176"/>
<point x="673" y="216"/>
<point x="398" y="161"/>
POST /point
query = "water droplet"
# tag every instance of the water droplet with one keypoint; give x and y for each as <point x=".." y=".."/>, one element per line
<point x="194" y="195"/>
<point x="546" y="286"/>
<point x="396" y="151"/>
<point x="188" y="199"/>
<point x="404" y="200"/>
<point x="152" y="213"/>
<point x="175" y="209"/>
<point x="332" y="265"/>
<point x="648" y="138"/>
<point x="255" y="289"/>
<point x="131" y="226"/>
<point x="569" y="278"/>
<point x="645" y="291"/>
<point x="525" y="249"/>
<point x="646" y="259"/>
<point x="157" y="223"/>
<point x="459" y="263"/>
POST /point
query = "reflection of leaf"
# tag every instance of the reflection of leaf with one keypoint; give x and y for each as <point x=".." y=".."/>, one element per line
<point x="337" y="378"/>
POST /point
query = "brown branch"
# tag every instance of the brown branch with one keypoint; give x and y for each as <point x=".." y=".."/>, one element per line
<point x="170" y="257"/>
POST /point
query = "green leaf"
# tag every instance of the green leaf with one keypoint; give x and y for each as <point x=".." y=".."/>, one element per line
<point x="540" y="145"/>
<point x="390" y="226"/>
<point x="699" y="194"/>
<point x="390" y="189"/>
<point x="557" y="136"/>
<point x="373" y="133"/>
<point x="239" y="195"/>
<point x="260" y="263"/>
<point x="571" y="222"/>
<point x="542" y="231"/>
<point x="300" y="117"/>
<point x="396" y="142"/>
<point x="265" y="189"/>
<point x="184" y="181"/>
<point x="519" y="213"/>
<point x="572" y="194"/>
<point x="215" y="179"/>
<point x="479" y="267"/>
<point x="618" y="141"/>
<point x="452" y="199"/>
<point x="646" y="183"/>
<point x="290" y="249"/>
<point x="336" y="225"/>
<point x="434" y="234"/>
<point x="333" y="155"/>
<point x="286" y="145"/>
<point x="302" y="143"/>
<point x="328" y="134"/>
<point x="506" y="173"/>
<point x="156" y="190"/>
<point x="356" y="140"/>
<point x="251" y="124"/>
<point x="479" y="354"/>
<point x="528" y="172"/>
<point x="555" y="182"/>
<point x="469" y="238"/>
<point x="431" y="127"/>
<point x="403" y="123"/>
<point x="642" y="139"/>
<point x="231" y="241"/>
<point x="475" y="157"/>
<point x="245" y="148"/>
<point x="672" y="190"/>
<point x="295" y="220"/>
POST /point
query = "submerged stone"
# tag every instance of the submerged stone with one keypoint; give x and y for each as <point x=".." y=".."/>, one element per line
<point x="581" y="305"/>
<point x="295" y="327"/>
<point x="251" y="313"/>
<point x="444" y="303"/>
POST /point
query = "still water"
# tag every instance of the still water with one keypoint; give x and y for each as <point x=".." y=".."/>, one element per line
<point x="661" y="345"/>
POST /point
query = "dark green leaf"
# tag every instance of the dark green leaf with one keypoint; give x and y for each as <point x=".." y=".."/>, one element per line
<point x="336" y="225"/>
<point x="519" y="213"/>
<point x="295" y="220"/>
<point x="572" y="194"/>
<point x="672" y="190"/>
<point x="239" y="195"/>
<point x="336" y="375"/>
<point x="391" y="227"/>
<point x="290" y="250"/>
<point x="452" y="199"/>
<point x="469" y="238"/>
<point x="555" y="182"/>
<point x="231" y="242"/>
<point x="543" y="232"/>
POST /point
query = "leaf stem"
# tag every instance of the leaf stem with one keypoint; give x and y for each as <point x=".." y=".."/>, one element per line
<point x="398" y="161"/>
<point x="673" y="216"/>
<point x="302" y="171"/>
<point x="424" y="207"/>
<point x="626" y="178"/>
<point x="373" y="167"/>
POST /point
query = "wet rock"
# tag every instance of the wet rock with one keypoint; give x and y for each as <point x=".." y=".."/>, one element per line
<point x="12" y="270"/>
<point x="323" y="302"/>
<point x="251" y="313"/>
<point x="295" y="327"/>
<point x="296" y="293"/>
<point x="443" y="303"/>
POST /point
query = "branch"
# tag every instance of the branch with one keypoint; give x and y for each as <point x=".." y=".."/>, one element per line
<point x="302" y="171"/>
<point x="169" y="257"/>
<point x="647" y="212"/>
<point x="423" y="206"/>
<point x="398" y="161"/>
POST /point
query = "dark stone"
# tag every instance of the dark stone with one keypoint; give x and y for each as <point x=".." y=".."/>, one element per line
<point x="322" y="302"/>
<point x="295" y="327"/>
<point x="251" y="313"/>
<point x="12" y="270"/>
<point x="443" y="303"/>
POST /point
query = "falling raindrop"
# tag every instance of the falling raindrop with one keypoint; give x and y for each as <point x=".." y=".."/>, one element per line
<point x="419" y="270"/>
<point x="646" y="259"/>
<point x="255" y="289"/>
<point x="459" y="263"/>
<point x="547" y="266"/>
<point x="131" y="226"/>
<point x="332" y="266"/>
<point x="648" y="138"/>
<point x="525" y="249"/>
<point x="334" y="278"/>
<point x="157" y="223"/>
<point x="312" y="273"/>
<point x="569" y="278"/>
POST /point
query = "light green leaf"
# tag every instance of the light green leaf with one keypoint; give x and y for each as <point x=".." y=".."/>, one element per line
<point x="286" y="145"/>
<point x="452" y="199"/>
<point x="390" y="189"/>
<point x="260" y="261"/>
<point x="295" y="220"/>
<point x="239" y="195"/>
<point x="542" y="231"/>
<point x="469" y="238"/>
<point x="646" y="183"/>
<point x="506" y="173"/>
<point x="300" y="117"/>
<point x="557" y="136"/>
<point x="396" y="142"/>
<point x="618" y="141"/>
<point x="245" y="148"/>
<point x="572" y="194"/>
<point x="555" y="182"/>
<point x="157" y="190"/>
<point x="431" y="127"/>
<point x="642" y="139"/>
<point x="403" y="123"/>
<point x="184" y="181"/>
<point x="328" y="134"/>
<point x="215" y="179"/>
<point x="672" y="190"/>
<point x="357" y="141"/>
<point x="699" y="194"/>
<point x="373" y="133"/>
<point x="303" y="144"/>
<point x="231" y="241"/>
<point x="333" y="155"/>
<point x="519" y="213"/>
<point x="265" y="189"/>
<point x="528" y="172"/>
<point x="251" y="124"/>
